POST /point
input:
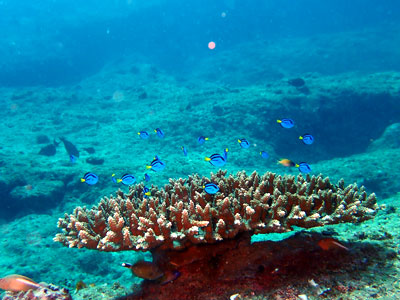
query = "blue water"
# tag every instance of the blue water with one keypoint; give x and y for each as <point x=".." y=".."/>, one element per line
<point x="40" y="40"/>
<point x="98" y="72"/>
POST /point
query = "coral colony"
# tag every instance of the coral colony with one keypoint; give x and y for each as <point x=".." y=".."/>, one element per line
<point x="191" y="232"/>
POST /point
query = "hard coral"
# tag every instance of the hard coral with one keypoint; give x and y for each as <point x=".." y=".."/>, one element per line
<point x="182" y="214"/>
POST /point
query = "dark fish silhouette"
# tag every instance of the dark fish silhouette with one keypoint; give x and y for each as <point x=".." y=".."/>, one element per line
<point x="297" y="82"/>
<point x="48" y="150"/>
<point x="69" y="147"/>
<point x="95" y="161"/>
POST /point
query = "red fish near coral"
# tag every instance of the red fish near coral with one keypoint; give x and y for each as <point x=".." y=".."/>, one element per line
<point x="17" y="283"/>
<point x="330" y="243"/>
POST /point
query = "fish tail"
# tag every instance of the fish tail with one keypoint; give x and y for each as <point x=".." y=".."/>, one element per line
<point x="148" y="167"/>
<point x="148" y="194"/>
<point x="300" y="137"/>
<point x="207" y="158"/>
<point x="339" y="245"/>
<point x="83" y="179"/>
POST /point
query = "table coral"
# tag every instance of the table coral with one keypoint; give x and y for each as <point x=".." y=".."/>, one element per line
<point x="206" y="239"/>
<point x="182" y="214"/>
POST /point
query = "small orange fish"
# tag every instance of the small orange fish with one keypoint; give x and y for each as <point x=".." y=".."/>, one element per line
<point x="17" y="283"/>
<point x="286" y="162"/>
<point x="80" y="285"/>
<point x="330" y="243"/>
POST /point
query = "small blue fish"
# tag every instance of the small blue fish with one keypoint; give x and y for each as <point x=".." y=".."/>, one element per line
<point x="304" y="167"/>
<point x="73" y="159"/>
<point x="90" y="178"/>
<point x="244" y="143"/>
<point x="159" y="132"/>
<point x="211" y="188"/>
<point x="127" y="179"/>
<point x="146" y="177"/>
<point x="264" y="154"/>
<point x="226" y="154"/>
<point x="143" y="134"/>
<point x="202" y="139"/>
<point x="307" y="139"/>
<point x="156" y="165"/>
<point x="184" y="150"/>
<point x="286" y="123"/>
<point x="113" y="179"/>
<point x="217" y="160"/>
<point x="146" y="192"/>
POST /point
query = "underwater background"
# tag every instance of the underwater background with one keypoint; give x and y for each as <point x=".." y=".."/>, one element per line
<point x="89" y="76"/>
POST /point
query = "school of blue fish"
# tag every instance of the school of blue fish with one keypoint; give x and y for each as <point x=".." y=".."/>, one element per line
<point x="216" y="160"/>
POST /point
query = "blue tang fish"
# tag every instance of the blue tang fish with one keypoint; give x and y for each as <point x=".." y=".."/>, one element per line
<point x="90" y="178"/>
<point x="304" y="167"/>
<point x="218" y="160"/>
<point x="184" y="150"/>
<point x="146" y="192"/>
<point x="143" y="134"/>
<point x="264" y="154"/>
<point x="159" y="132"/>
<point x="113" y="178"/>
<point x="307" y="139"/>
<point x="202" y="139"/>
<point x="146" y="177"/>
<point x="211" y="188"/>
<point x="226" y="153"/>
<point x="156" y="165"/>
<point x="127" y="179"/>
<point x="244" y="143"/>
<point x="286" y="123"/>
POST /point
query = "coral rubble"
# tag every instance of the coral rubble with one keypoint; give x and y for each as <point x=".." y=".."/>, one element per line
<point x="182" y="214"/>
<point x="45" y="291"/>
